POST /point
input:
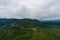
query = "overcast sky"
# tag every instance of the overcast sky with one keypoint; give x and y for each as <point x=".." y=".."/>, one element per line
<point x="36" y="9"/>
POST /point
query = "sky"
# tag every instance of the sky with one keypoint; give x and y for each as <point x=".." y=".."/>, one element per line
<point x="34" y="9"/>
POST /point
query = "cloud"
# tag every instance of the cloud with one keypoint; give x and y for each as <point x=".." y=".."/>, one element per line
<point x="36" y="9"/>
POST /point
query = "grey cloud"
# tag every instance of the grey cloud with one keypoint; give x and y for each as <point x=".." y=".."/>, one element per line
<point x="36" y="9"/>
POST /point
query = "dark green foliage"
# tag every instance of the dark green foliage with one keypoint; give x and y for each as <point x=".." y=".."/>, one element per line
<point x="26" y="29"/>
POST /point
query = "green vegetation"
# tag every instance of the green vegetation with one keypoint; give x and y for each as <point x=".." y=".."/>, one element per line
<point x="30" y="34"/>
<point x="27" y="30"/>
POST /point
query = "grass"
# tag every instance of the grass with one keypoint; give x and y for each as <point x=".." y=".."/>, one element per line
<point x="31" y="34"/>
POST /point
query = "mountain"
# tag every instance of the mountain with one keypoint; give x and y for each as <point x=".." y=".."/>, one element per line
<point x="28" y="29"/>
<point x="22" y="22"/>
<point x="5" y="21"/>
<point x="51" y="22"/>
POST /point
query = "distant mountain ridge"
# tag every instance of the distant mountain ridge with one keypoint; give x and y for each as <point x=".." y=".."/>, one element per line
<point x="22" y="22"/>
<point x="51" y="22"/>
<point x="5" y="21"/>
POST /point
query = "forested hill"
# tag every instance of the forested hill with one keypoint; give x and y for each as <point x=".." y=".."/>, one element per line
<point x="27" y="29"/>
<point x="22" y="22"/>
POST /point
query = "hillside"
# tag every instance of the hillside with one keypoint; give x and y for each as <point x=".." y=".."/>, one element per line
<point x="29" y="29"/>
